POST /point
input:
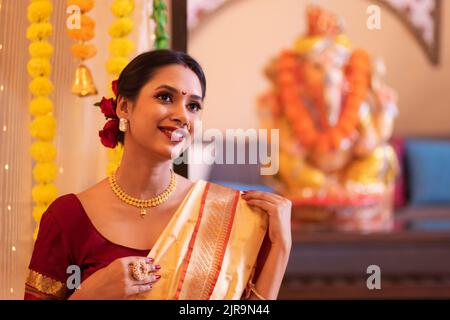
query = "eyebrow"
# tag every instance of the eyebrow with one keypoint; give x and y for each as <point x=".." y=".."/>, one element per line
<point x="173" y="90"/>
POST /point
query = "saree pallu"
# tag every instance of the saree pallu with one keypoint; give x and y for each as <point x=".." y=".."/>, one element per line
<point x="209" y="248"/>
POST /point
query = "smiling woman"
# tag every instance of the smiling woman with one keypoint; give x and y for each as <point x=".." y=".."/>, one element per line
<point x="206" y="240"/>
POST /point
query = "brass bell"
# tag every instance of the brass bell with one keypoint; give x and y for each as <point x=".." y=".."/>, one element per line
<point x="84" y="83"/>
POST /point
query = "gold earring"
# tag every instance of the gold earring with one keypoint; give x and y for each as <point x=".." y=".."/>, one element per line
<point x="123" y="124"/>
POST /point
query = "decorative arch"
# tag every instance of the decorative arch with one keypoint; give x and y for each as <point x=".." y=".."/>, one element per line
<point x="423" y="20"/>
<point x="421" y="17"/>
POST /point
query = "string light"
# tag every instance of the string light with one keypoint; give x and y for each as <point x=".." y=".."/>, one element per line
<point x="2" y="87"/>
<point x="61" y="170"/>
<point x="13" y="248"/>
<point x="9" y="208"/>
<point x="4" y="128"/>
<point x="11" y="290"/>
<point x="6" y="166"/>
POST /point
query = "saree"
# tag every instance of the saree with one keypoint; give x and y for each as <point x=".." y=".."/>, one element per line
<point x="208" y="250"/>
<point x="210" y="247"/>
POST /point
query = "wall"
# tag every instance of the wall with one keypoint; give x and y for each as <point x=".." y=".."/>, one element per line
<point x="235" y="43"/>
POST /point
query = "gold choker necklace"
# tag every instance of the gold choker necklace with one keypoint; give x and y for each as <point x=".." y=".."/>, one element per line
<point x="142" y="204"/>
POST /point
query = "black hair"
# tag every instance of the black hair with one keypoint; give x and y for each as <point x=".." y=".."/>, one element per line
<point x="141" y="69"/>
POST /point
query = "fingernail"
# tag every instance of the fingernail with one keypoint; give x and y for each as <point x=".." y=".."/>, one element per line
<point x="157" y="266"/>
<point x="157" y="276"/>
<point x="149" y="259"/>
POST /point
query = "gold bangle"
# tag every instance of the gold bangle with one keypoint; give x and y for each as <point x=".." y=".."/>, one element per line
<point x="252" y="288"/>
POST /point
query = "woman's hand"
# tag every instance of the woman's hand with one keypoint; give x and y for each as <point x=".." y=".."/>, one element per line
<point x="116" y="282"/>
<point x="279" y="211"/>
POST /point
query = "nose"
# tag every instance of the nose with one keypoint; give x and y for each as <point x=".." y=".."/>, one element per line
<point x="180" y="115"/>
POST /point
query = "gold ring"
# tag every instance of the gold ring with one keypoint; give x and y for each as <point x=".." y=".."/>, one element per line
<point x="139" y="270"/>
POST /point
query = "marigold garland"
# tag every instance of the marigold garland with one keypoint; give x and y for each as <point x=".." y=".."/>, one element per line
<point x="292" y="88"/>
<point x="43" y="125"/>
<point x="119" y="47"/>
<point x="83" y="50"/>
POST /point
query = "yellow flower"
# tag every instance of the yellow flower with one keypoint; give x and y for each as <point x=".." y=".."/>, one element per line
<point x="116" y="65"/>
<point x="121" y="27"/>
<point x="85" y="32"/>
<point x="38" y="211"/>
<point x="36" y="232"/>
<point x="83" y="51"/>
<point x="44" y="193"/>
<point x="111" y="167"/>
<point x="43" y="127"/>
<point x="40" y="49"/>
<point x="84" y="5"/>
<point x="41" y="86"/>
<point x="40" y="106"/>
<point x="305" y="44"/>
<point x="42" y="151"/>
<point x="114" y="158"/>
<point x="39" y="31"/>
<point x="39" y="11"/>
<point x="121" y="47"/>
<point x="121" y="8"/>
<point x="44" y="172"/>
<point x="38" y="67"/>
<point x="343" y="40"/>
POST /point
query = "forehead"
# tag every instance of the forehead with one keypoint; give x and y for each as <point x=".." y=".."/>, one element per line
<point x="178" y="76"/>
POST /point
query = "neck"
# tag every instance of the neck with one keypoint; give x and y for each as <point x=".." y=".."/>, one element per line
<point x="141" y="175"/>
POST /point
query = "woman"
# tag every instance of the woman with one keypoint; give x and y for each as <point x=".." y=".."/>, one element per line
<point x="187" y="240"/>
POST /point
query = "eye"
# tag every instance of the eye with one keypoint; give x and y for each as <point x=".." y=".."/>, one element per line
<point x="194" y="107"/>
<point x="165" y="97"/>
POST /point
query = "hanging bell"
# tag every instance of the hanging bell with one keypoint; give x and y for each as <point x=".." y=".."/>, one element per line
<point x="83" y="85"/>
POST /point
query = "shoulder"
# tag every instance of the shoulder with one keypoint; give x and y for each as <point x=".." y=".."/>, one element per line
<point x="67" y="210"/>
<point x="63" y="206"/>
<point x="63" y="211"/>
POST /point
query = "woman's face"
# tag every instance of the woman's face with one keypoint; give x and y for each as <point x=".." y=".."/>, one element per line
<point x="171" y="100"/>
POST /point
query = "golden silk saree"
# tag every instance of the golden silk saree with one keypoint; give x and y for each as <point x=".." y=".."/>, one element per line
<point x="209" y="248"/>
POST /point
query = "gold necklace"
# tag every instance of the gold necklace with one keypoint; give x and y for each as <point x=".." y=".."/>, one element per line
<point x="142" y="204"/>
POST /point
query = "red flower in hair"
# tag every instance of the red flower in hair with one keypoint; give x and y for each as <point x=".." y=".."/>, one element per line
<point x="108" y="108"/>
<point x="114" y="87"/>
<point x="109" y="134"/>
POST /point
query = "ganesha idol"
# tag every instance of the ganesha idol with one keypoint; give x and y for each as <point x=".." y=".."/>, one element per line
<point x="335" y="117"/>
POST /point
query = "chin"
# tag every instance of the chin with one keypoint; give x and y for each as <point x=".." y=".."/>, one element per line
<point x="169" y="152"/>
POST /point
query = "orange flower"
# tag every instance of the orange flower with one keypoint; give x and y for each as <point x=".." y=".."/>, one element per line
<point x="83" y="51"/>
<point x="85" y="32"/>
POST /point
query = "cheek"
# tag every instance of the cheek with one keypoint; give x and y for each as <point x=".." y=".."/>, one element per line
<point x="149" y="116"/>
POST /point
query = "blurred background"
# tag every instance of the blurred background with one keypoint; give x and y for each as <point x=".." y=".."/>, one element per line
<point x="358" y="89"/>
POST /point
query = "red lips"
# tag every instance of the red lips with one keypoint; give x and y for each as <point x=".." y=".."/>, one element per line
<point x="168" y="131"/>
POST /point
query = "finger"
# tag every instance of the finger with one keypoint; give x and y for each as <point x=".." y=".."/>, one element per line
<point x="131" y="290"/>
<point x="270" y="197"/>
<point x="262" y="204"/>
<point x="151" y="278"/>
<point x="132" y="259"/>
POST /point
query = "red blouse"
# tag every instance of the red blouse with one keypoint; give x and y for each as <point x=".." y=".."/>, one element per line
<point x="68" y="237"/>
